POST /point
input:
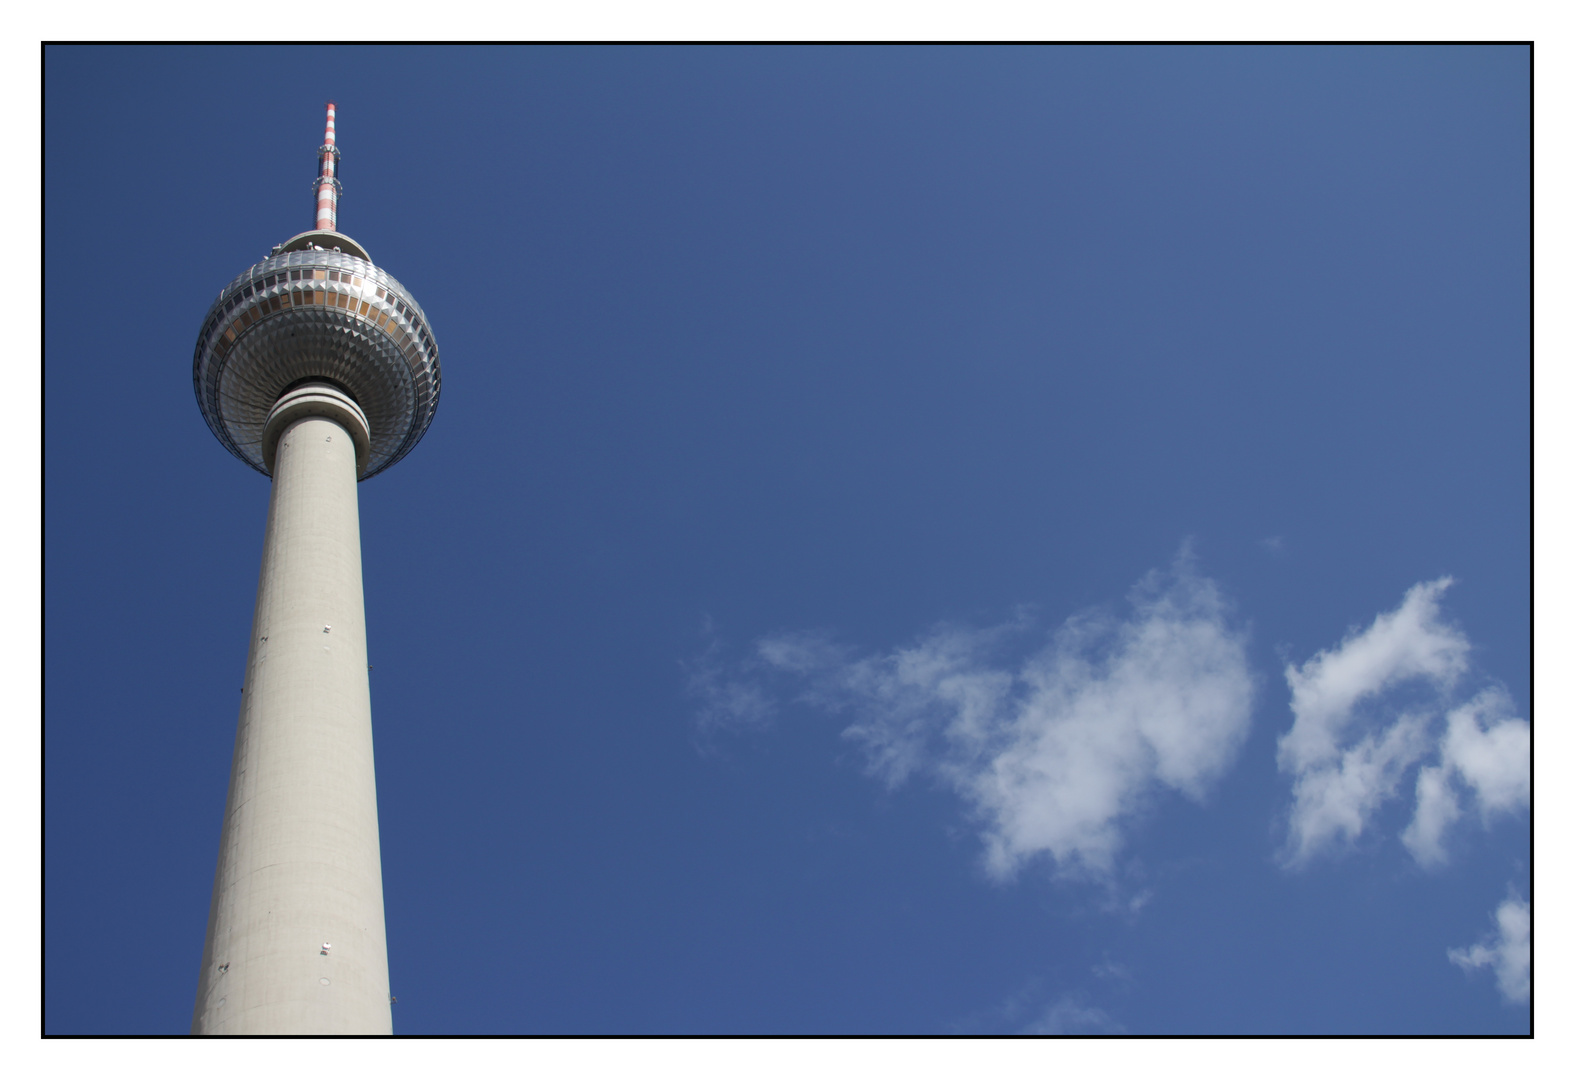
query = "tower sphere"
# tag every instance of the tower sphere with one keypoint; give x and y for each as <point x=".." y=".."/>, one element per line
<point x="317" y="310"/>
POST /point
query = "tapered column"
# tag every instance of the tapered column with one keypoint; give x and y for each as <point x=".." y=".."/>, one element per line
<point x="296" y="942"/>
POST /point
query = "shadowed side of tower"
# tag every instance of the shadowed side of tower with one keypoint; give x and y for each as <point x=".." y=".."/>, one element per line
<point x="318" y="369"/>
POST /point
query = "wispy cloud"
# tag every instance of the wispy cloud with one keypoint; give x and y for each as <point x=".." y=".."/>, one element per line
<point x="1112" y="972"/>
<point x="1368" y="710"/>
<point x="725" y="700"/>
<point x="1033" y="1011"/>
<point x="1507" y="950"/>
<point x="1055" y="754"/>
<point x="1070" y="1015"/>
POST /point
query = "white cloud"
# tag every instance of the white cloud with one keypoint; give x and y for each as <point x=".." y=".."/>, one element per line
<point x="1354" y="736"/>
<point x="1507" y="951"/>
<point x="1437" y="809"/>
<point x="1489" y="748"/>
<point x="1485" y="748"/>
<point x="1335" y="800"/>
<point x="1407" y="643"/>
<point x="1053" y="754"/>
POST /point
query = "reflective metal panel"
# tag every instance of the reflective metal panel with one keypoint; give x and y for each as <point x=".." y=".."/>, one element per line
<point x="321" y="314"/>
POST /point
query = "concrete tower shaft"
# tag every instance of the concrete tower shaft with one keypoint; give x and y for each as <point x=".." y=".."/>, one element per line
<point x="295" y="941"/>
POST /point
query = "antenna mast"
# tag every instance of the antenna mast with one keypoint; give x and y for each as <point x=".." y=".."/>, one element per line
<point x="326" y="186"/>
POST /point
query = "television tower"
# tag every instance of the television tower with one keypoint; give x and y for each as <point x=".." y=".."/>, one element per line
<point x="317" y="369"/>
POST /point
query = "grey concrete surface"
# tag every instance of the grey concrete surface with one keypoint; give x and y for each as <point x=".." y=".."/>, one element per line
<point x="295" y="941"/>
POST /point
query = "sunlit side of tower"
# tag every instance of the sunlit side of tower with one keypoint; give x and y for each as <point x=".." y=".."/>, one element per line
<point x="318" y="369"/>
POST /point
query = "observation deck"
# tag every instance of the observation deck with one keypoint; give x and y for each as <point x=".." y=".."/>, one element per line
<point x="317" y="309"/>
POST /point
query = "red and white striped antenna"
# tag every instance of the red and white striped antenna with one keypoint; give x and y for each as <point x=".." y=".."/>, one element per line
<point x="327" y="183"/>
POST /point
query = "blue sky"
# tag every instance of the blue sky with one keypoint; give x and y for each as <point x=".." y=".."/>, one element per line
<point x="915" y="540"/>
